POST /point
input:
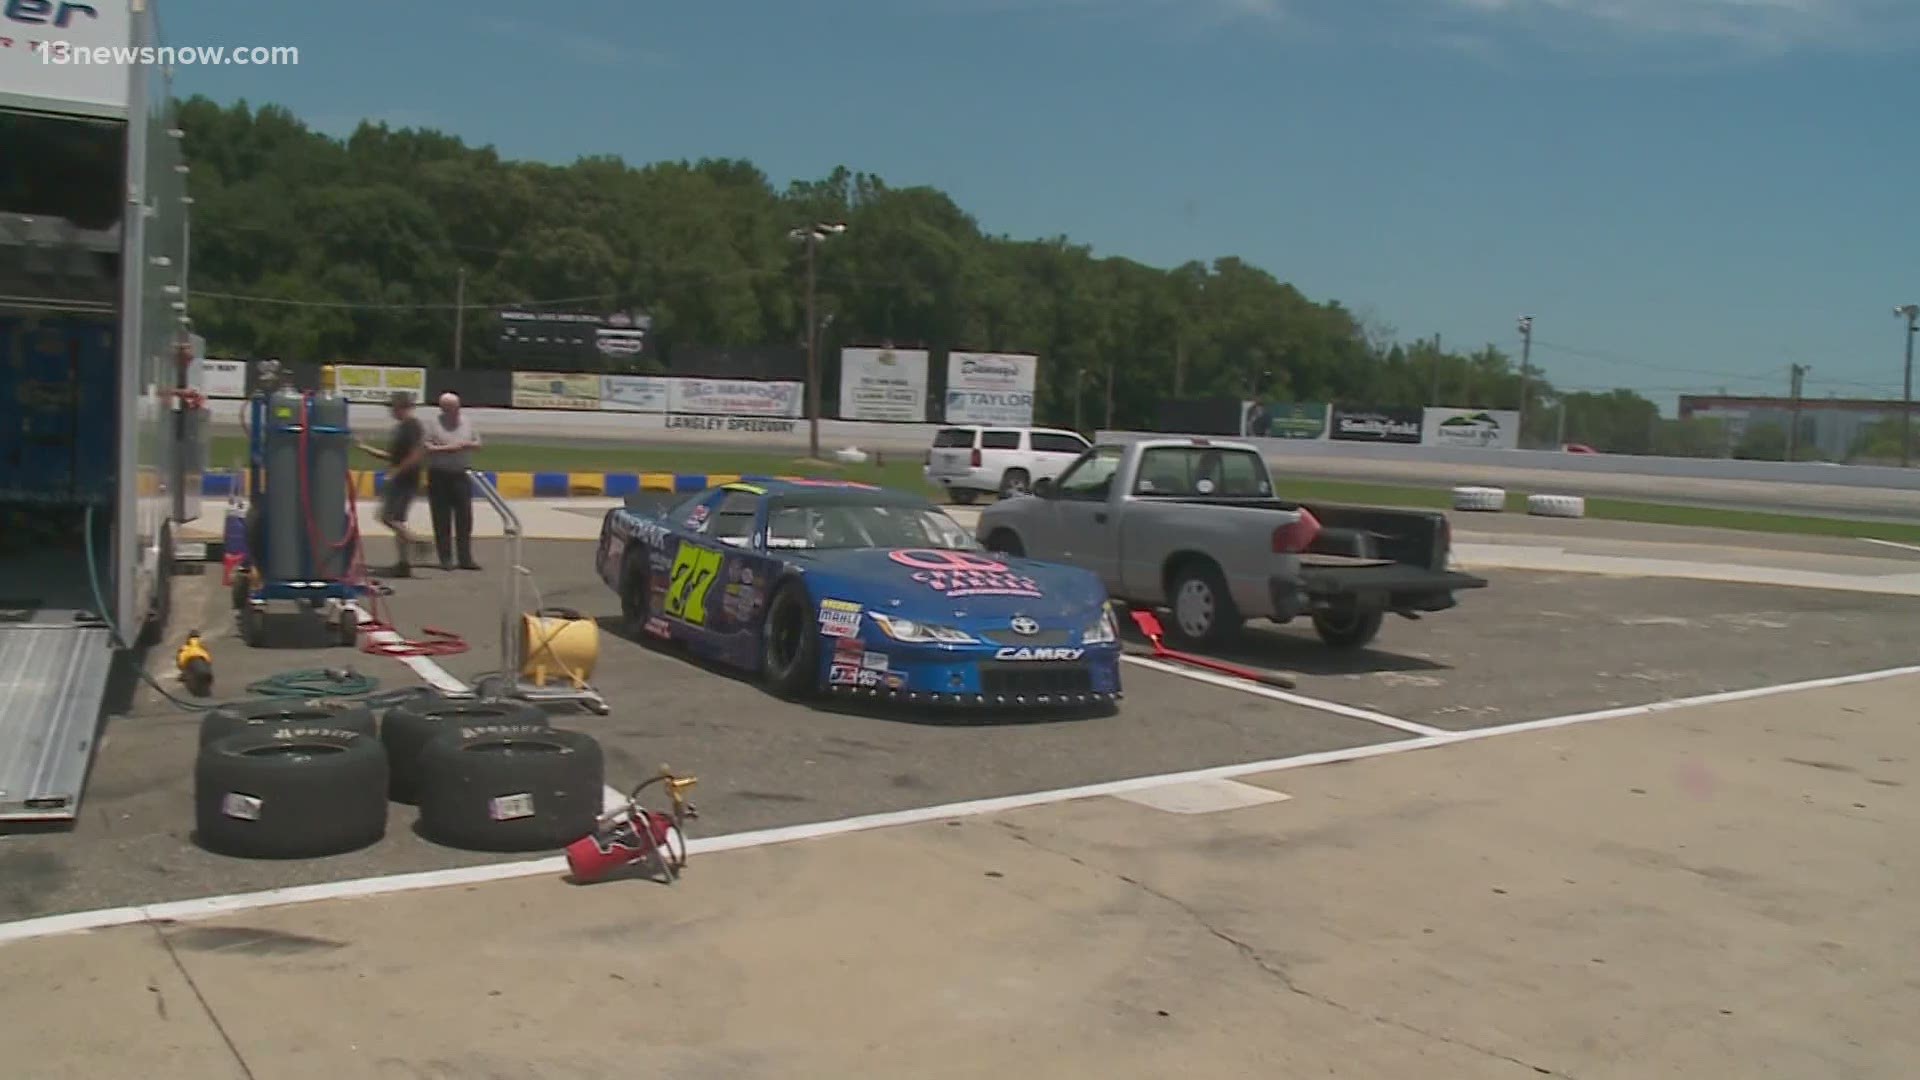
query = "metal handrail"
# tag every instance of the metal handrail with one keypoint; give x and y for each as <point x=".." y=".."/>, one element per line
<point x="510" y="526"/>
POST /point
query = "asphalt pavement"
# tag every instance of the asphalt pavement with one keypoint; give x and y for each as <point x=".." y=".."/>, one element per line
<point x="1531" y="646"/>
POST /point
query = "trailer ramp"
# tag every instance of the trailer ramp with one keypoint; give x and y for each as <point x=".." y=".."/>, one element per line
<point x="53" y="679"/>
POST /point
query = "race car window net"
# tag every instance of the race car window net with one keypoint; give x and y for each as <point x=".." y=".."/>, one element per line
<point x="828" y="527"/>
<point x="732" y="520"/>
<point x="1185" y="471"/>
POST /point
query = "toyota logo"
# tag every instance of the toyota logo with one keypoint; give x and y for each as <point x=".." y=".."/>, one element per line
<point x="1026" y="626"/>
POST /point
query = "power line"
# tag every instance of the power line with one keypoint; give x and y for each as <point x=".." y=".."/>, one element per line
<point x="350" y="305"/>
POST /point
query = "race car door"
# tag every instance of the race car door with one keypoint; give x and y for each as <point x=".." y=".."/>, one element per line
<point x="710" y="541"/>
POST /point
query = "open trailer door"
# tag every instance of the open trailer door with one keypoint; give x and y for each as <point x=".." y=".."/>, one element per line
<point x="92" y="289"/>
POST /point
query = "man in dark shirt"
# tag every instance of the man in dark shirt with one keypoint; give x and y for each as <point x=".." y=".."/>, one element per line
<point x="406" y="451"/>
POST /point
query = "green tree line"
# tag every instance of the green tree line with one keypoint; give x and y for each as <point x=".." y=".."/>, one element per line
<point x="368" y="235"/>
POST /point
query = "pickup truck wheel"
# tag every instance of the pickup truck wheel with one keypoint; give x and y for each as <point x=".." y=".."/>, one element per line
<point x="1203" y="611"/>
<point x="790" y="645"/>
<point x="1004" y="542"/>
<point x="1348" y="629"/>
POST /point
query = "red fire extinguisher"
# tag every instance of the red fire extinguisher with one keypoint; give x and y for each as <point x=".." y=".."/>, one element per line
<point x="633" y="835"/>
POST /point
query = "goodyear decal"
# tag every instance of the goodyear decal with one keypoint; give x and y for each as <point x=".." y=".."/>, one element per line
<point x="839" y="618"/>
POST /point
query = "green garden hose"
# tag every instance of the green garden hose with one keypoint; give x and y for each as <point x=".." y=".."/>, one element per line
<point x="314" y="683"/>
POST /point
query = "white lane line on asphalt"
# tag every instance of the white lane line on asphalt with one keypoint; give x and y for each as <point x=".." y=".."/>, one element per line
<point x="180" y="911"/>
<point x="1256" y="689"/>
<point x="424" y="666"/>
<point x="1887" y="543"/>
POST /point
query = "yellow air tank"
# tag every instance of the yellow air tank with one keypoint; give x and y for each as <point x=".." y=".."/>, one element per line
<point x="558" y="644"/>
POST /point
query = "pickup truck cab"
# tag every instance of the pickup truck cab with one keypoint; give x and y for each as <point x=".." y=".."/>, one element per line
<point x="1194" y="525"/>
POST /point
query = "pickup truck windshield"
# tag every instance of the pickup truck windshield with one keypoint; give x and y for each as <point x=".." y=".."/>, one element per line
<point x="826" y="527"/>
<point x="1202" y="470"/>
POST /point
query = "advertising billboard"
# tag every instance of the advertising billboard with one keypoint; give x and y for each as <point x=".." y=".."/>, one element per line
<point x="888" y="385"/>
<point x="1287" y="420"/>
<point x="65" y="79"/>
<point x="633" y="393"/>
<point x="734" y="397"/>
<point x="1376" y="424"/>
<point x="991" y="388"/>
<point x="555" y="390"/>
<point x="1484" y="429"/>
<point x="372" y="384"/>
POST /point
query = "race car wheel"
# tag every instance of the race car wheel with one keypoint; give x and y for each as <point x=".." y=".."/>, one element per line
<point x="1004" y="542"/>
<point x="790" y="646"/>
<point x="411" y="725"/>
<point x="267" y="713"/>
<point x="511" y="787"/>
<point x="1015" y="482"/>
<point x="636" y="598"/>
<point x="1203" y="611"/>
<point x="1348" y="629"/>
<point x="290" y="791"/>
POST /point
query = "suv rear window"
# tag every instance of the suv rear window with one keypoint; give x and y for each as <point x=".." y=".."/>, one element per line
<point x="1196" y="470"/>
<point x="1058" y="444"/>
<point x="1000" y="440"/>
<point x="953" y="438"/>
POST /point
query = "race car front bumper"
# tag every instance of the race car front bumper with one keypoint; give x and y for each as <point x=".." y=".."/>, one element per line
<point x="971" y="678"/>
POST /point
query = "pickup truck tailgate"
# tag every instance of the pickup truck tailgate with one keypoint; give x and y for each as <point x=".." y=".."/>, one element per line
<point x="1393" y="585"/>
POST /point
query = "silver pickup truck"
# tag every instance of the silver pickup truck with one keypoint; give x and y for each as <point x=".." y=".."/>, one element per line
<point x="1193" y="525"/>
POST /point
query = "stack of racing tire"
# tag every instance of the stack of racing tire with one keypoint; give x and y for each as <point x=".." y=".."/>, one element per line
<point x="291" y="780"/>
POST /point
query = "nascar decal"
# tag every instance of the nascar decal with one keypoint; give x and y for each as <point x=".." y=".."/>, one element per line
<point x="964" y="573"/>
<point x="853" y="675"/>
<point x="1039" y="654"/>
<point x="839" y="618"/>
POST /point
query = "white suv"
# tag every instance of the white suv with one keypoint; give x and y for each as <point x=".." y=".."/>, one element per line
<point x="971" y="461"/>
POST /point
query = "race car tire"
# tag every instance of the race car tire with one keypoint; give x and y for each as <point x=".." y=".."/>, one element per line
<point x="411" y="725"/>
<point x="1348" y="629"/>
<point x="790" y="644"/>
<point x="1480" y="499"/>
<point x="1203" y="610"/>
<point x="290" y="791"/>
<point x="268" y="712"/>
<point x="510" y="787"/>
<point x="1557" y="506"/>
<point x="636" y="599"/>
<point x="1005" y="542"/>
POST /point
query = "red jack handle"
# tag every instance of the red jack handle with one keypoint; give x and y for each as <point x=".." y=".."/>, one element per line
<point x="1150" y="626"/>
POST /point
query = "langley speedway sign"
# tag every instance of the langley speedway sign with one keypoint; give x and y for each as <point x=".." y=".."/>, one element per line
<point x="758" y="424"/>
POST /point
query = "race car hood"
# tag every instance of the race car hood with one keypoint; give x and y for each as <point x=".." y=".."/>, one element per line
<point x="963" y="589"/>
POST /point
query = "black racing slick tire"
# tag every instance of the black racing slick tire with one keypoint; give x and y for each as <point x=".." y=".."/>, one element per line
<point x="790" y="645"/>
<point x="290" y="791"/>
<point x="267" y="713"/>
<point x="511" y="787"/>
<point x="411" y="725"/>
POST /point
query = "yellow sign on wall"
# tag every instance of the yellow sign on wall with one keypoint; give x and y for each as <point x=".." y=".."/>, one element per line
<point x="555" y="390"/>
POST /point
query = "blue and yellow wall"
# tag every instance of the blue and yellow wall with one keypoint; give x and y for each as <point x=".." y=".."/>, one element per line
<point x="523" y="485"/>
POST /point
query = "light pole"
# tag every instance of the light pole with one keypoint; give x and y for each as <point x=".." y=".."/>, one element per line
<point x="811" y="235"/>
<point x="1526" y="356"/>
<point x="1911" y="312"/>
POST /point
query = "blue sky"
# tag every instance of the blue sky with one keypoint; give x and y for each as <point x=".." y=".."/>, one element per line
<point x="1685" y="194"/>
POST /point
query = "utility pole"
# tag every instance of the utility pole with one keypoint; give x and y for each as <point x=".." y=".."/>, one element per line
<point x="1912" y="313"/>
<point x="812" y="235"/>
<point x="1433" y="393"/>
<point x="1526" y="358"/>
<point x="459" y="316"/>
<point x="1793" y="413"/>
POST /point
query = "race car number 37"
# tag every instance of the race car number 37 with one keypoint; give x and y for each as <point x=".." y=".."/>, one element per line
<point x="693" y="575"/>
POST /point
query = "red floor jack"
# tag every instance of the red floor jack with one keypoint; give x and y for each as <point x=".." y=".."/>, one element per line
<point x="1150" y="626"/>
<point x="636" y="836"/>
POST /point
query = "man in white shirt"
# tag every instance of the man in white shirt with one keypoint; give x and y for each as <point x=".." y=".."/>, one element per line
<point x="450" y="442"/>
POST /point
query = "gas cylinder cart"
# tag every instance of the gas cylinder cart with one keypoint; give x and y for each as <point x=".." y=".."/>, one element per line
<point x="302" y="529"/>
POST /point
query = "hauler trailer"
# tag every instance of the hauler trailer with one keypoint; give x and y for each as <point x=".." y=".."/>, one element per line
<point x="99" y="444"/>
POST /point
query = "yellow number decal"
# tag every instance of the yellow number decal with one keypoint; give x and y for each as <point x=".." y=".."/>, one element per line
<point x="694" y="571"/>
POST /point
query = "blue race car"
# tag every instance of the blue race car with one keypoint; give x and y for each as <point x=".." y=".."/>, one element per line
<point x="854" y="589"/>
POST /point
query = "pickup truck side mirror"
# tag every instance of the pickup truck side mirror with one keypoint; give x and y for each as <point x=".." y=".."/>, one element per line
<point x="1043" y="489"/>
